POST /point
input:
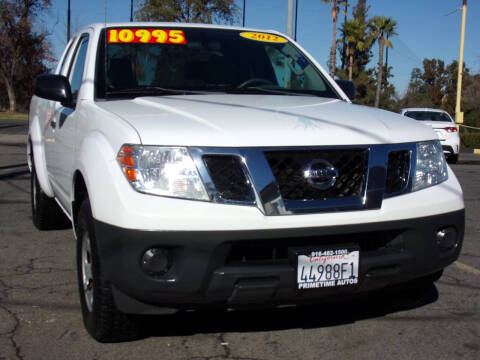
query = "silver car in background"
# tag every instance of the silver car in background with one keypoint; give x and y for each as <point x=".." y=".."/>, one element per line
<point x="443" y="125"/>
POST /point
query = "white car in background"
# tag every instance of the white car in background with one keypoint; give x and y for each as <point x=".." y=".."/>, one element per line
<point x="443" y="125"/>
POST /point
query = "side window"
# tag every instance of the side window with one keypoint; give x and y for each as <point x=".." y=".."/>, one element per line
<point x="63" y="66"/>
<point x="76" y="71"/>
<point x="446" y="118"/>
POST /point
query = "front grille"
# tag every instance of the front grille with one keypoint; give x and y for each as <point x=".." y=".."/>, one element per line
<point x="270" y="251"/>
<point x="398" y="171"/>
<point x="228" y="177"/>
<point x="288" y="168"/>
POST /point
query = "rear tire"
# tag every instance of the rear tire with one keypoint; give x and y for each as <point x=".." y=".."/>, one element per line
<point x="46" y="214"/>
<point x="101" y="318"/>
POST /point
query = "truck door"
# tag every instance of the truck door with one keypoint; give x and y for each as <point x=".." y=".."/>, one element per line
<point x="60" y="134"/>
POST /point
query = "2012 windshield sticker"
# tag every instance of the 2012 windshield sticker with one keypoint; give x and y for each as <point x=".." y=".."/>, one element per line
<point x="258" y="36"/>
<point x="146" y="36"/>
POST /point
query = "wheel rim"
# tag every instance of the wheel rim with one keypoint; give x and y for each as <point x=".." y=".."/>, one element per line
<point x="87" y="276"/>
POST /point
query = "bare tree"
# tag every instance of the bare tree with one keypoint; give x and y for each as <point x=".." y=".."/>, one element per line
<point x="22" y="51"/>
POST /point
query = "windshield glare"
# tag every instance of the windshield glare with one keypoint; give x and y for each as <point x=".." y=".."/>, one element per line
<point x="208" y="60"/>
<point x="428" y="116"/>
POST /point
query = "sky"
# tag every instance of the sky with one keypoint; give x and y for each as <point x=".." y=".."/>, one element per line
<point x="424" y="30"/>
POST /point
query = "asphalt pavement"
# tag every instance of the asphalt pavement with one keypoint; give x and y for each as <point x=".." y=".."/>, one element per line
<point x="40" y="311"/>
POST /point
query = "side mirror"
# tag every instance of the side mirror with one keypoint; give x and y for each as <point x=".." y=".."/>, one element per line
<point x="53" y="87"/>
<point x="348" y="87"/>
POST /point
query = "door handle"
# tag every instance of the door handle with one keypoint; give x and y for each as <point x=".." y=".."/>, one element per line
<point x="53" y="123"/>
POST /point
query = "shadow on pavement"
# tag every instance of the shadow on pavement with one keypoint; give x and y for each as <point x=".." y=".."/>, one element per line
<point x="14" y="174"/>
<point x="305" y="317"/>
<point x="9" y="126"/>
<point x="41" y="305"/>
<point x="12" y="166"/>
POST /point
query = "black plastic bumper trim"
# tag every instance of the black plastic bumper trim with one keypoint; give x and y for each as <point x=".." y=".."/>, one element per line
<point x="201" y="276"/>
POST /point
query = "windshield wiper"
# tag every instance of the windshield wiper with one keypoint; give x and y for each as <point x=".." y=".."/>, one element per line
<point x="261" y="90"/>
<point x="153" y="90"/>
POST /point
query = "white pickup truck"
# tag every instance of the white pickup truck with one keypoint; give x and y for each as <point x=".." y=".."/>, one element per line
<point x="217" y="166"/>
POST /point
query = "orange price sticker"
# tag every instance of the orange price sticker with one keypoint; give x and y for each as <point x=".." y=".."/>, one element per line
<point x="146" y="36"/>
<point x="258" y="36"/>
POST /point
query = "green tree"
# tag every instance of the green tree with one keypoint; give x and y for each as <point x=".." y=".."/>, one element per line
<point x="436" y="85"/>
<point x="333" y="50"/>
<point x="357" y="41"/>
<point x="361" y="54"/>
<point x="471" y="100"/>
<point x="388" y="98"/>
<point x="433" y="78"/>
<point x="360" y="10"/>
<point x="381" y="29"/>
<point x="356" y="37"/>
<point x="194" y="11"/>
<point x="416" y="95"/>
<point x="342" y="48"/>
<point x="23" y="50"/>
<point x="451" y="78"/>
<point x="362" y="57"/>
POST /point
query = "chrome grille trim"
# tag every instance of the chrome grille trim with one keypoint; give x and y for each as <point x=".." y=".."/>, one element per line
<point x="267" y="196"/>
<point x="289" y="168"/>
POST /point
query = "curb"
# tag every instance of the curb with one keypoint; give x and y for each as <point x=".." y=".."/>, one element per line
<point x="470" y="151"/>
<point x="18" y="140"/>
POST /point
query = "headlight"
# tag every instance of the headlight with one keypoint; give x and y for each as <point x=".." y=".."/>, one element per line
<point x="431" y="167"/>
<point x="158" y="170"/>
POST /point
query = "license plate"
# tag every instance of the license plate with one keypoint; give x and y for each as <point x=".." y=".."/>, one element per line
<point x="327" y="268"/>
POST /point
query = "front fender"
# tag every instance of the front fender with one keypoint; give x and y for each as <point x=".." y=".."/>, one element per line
<point x="97" y="163"/>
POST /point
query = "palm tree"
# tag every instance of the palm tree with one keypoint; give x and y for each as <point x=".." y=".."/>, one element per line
<point x="356" y="37"/>
<point x="333" y="50"/>
<point x="382" y="28"/>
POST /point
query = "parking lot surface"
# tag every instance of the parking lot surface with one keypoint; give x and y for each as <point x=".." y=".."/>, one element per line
<point x="40" y="311"/>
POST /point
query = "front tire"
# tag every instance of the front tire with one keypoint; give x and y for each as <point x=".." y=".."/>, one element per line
<point x="101" y="318"/>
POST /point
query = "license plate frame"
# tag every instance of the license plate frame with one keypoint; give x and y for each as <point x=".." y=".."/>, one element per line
<point x="309" y="278"/>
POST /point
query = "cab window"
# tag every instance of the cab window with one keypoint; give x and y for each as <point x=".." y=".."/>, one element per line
<point x="76" y="71"/>
<point x="63" y="66"/>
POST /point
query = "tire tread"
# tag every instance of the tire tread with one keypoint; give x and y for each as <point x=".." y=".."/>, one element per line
<point x="105" y="323"/>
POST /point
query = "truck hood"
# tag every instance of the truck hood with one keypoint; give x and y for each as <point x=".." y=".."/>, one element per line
<point x="262" y="120"/>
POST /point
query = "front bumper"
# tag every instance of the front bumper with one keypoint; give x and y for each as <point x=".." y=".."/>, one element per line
<point x="451" y="145"/>
<point x="231" y="268"/>
<point x="450" y="150"/>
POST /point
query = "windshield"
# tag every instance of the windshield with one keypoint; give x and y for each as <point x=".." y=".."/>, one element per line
<point x="161" y="61"/>
<point x="428" y="116"/>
